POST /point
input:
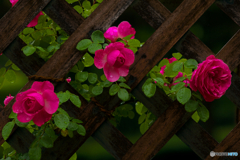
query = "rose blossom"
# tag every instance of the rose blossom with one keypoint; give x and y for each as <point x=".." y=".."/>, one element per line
<point x="68" y="79"/>
<point x="37" y="104"/>
<point x="34" y="22"/>
<point x="124" y="29"/>
<point x="7" y="99"/>
<point x="212" y="78"/>
<point x="115" y="60"/>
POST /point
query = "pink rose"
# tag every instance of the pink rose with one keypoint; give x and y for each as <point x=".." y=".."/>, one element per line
<point x="115" y="60"/>
<point x="124" y="29"/>
<point x="170" y="61"/>
<point x="1" y="54"/>
<point x="68" y="79"/>
<point x="212" y="78"/>
<point x="34" y="22"/>
<point x="7" y="99"/>
<point x="37" y="104"/>
<point x="180" y="74"/>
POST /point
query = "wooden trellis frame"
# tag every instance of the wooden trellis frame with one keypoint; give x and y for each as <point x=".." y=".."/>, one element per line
<point x="173" y="119"/>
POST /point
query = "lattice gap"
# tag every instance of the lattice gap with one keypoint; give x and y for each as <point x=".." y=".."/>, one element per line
<point x="211" y="30"/>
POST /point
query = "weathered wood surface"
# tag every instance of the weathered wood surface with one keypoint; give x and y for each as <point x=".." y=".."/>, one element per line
<point x="17" y="18"/>
<point x="112" y="140"/>
<point x="231" y="8"/>
<point x="64" y="15"/>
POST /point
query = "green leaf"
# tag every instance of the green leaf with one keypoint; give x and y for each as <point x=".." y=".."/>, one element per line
<point x="141" y="118"/>
<point x="28" y="50"/>
<point x="203" y="113"/>
<point x="99" y="1"/>
<point x="180" y="79"/>
<point x="92" y="78"/>
<point x="128" y="37"/>
<point x="177" y="86"/>
<point x="114" y="89"/>
<point x="143" y="127"/>
<point x="103" y="77"/>
<point x="134" y="43"/>
<point x="168" y="71"/>
<point x="28" y="30"/>
<point x="15" y="67"/>
<point x="177" y="66"/>
<point x="83" y="44"/>
<point x="75" y="100"/>
<point x="46" y="141"/>
<point x="7" y="129"/>
<point x="81" y="76"/>
<point x="2" y="71"/>
<point x="71" y="1"/>
<point x="86" y="5"/>
<point x="60" y="110"/>
<point x="86" y="13"/>
<point x="97" y="90"/>
<point x="197" y="95"/>
<point x="131" y="114"/>
<point x="74" y="69"/>
<point x="81" y="130"/>
<point x="72" y="126"/>
<point x="63" y="96"/>
<point x="177" y="55"/>
<point x="105" y="45"/>
<point x="35" y="153"/>
<point x="97" y="37"/>
<point x="121" y="79"/>
<point x="191" y="63"/>
<point x="139" y="107"/>
<point x="1" y="81"/>
<point x="74" y="157"/>
<point x="50" y="132"/>
<point x="77" y="121"/>
<point x="195" y="117"/>
<point x="183" y="95"/>
<point x="124" y="85"/>
<point x="149" y="88"/>
<point x="9" y="62"/>
<point x="87" y="60"/>
<point x="94" y="6"/>
<point x="133" y="49"/>
<point x="61" y="121"/>
<point x="163" y="63"/>
<point x="159" y="80"/>
<point x="10" y="76"/>
<point x="94" y="47"/>
<point x="191" y="105"/>
<point x="123" y="94"/>
<point x="12" y="115"/>
<point x="20" y="124"/>
<point x="78" y="9"/>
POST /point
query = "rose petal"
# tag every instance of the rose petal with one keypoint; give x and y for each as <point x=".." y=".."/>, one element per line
<point x="111" y="73"/>
<point x="17" y="107"/>
<point x="111" y="34"/>
<point x="40" y="87"/>
<point x="31" y="106"/>
<point x="24" y="118"/>
<point x="100" y="59"/>
<point x="34" y="22"/>
<point x="38" y="97"/>
<point x="7" y="99"/>
<point x="125" y="29"/>
<point x="123" y="71"/>
<point x="172" y="59"/>
<point x="129" y="56"/>
<point x="51" y="101"/>
<point x="162" y="69"/>
<point x="112" y="57"/>
<point x="22" y="95"/>
<point x="41" y="117"/>
<point x="13" y="2"/>
<point x="113" y="46"/>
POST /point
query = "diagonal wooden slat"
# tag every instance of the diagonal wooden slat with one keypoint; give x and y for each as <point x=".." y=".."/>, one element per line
<point x="17" y="18"/>
<point x="231" y="8"/>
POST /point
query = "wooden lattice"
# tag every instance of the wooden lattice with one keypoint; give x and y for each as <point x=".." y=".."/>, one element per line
<point x="171" y="30"/>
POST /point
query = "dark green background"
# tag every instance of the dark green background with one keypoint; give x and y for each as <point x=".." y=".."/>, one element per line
<point x="214" y="28"/>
